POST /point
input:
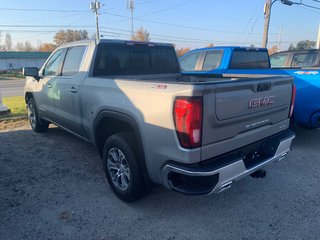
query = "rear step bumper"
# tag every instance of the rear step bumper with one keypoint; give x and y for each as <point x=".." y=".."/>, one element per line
<point x="217" y="174"/>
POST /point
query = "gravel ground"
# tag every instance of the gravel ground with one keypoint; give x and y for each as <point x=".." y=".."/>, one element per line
<point x="52" y="187"/>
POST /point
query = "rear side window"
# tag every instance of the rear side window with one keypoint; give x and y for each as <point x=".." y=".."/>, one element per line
<point x="242" y="59"/>
<point x="212" y="60"/>
<point x="73" y="61"/>
<point x="279" y="60"/>
<point x="304" y="59"/>
<point x="116" y="59"/>
<point x="189" y="62"/>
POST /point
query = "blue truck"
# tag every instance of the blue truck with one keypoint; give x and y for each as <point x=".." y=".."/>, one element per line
<point x="244" y="61"/>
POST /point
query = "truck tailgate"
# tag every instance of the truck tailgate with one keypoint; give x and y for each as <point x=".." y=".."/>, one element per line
<point x="245" y="111"/>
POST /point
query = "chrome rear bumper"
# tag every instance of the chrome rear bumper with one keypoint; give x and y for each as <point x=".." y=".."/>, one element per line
<point x="218" y="178"/>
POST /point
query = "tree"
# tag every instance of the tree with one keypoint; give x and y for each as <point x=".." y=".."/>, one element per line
<point x="141" y="35"/>
<point x="291" y="47"/>
<point x="181" y="51"/>
<point x="19" y="47"/>
<point x="8" y="42"/>
<point x="46" y="47"/>
<point x="303" y="45"/>
<point x="26" y="46"/>
<point x="70" y="35"/>
<point x="273" y="49"/>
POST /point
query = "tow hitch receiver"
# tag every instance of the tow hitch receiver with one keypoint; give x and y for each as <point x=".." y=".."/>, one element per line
<point x="261" y="173"/>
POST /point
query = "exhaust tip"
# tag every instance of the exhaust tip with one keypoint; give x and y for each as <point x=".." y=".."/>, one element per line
<point x="192" y="185"/>
<point x="225" y="187"/>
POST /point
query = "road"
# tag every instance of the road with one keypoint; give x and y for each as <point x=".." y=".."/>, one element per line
<point x="10" y="88"/>
<point x="53" y="187"/>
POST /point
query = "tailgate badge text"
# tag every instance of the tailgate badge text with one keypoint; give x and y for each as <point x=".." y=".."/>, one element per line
<point x="261" y="102"/>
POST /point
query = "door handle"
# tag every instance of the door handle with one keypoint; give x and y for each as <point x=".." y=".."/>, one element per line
<point x="49" y="85"/>
<point x="73" y="90"/>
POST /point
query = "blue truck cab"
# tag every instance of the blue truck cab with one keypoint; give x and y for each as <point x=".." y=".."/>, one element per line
<point x="233" y="60"/>
<point x="226" y="60"/>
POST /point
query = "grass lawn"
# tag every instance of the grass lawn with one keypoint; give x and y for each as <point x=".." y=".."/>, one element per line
<point x="10" y="76"/>
<point x="17" y="106"/>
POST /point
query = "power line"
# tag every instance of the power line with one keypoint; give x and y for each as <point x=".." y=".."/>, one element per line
<point x="45" y="26"/>
<point x="42" y="10"/>
<point x="180" y="26"/>
<point x="136" y="3"/>
<point x="309" y="9"/>
<point x="307" y="5"/>
<point x="251" y="18"/>
<point x="168" y="8"/>
<point x="49" y="18"/>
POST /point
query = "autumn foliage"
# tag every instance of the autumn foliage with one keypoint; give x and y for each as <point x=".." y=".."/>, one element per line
<point x="181" y="51"/>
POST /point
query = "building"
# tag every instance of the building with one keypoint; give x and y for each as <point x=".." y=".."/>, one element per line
<point x="18" y="60"/>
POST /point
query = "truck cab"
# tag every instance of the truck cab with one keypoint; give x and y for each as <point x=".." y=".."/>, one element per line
<point x="224" y="60"/>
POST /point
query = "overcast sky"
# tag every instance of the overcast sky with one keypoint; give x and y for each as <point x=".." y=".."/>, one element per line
<point x="186" y="23"/>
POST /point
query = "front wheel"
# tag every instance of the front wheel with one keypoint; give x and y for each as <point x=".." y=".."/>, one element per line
<point x="122" y="168"/>
<point x="36" y="123"/>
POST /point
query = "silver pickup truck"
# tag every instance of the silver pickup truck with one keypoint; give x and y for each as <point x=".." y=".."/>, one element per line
<point x="151" y="124"/>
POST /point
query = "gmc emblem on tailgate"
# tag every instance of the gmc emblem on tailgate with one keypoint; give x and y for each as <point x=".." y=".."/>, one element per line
<point x="260" y="102"/>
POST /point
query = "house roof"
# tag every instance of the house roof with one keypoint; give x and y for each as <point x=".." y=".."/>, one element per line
<point x="24" y="55"/>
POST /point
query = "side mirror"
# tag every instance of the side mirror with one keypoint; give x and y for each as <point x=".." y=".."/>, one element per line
<point x="31" y="72"/>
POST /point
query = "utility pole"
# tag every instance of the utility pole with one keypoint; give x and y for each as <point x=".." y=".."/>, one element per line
<point x="95" y="6"/>
<point x="267" y="14"/>
<point x="318" y="39"/>
<point x="130" y="6"/>
<point x="280" y="39"/>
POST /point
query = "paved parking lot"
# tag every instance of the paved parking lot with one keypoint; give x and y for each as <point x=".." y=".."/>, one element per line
<point x="53" y="187"/>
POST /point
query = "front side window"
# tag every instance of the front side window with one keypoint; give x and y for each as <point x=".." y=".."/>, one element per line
<point x="73" y="61"/>
<point x="189" y="63"/>
<point x="249" y="59"/>
<point x="212" y="60"/>
<point x="52" y="68"/>
<point x="279" y="60"/>
<point x="304" y="59"/>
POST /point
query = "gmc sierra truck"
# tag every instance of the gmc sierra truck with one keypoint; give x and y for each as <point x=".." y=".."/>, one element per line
<point x="151" y="124"/>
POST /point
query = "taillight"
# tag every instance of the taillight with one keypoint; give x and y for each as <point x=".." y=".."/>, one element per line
<point x="187" y="113"/>
<point x="293" y="98"/>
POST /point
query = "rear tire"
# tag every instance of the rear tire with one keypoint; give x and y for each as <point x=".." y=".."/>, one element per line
<point x="122" y="168"/>
<point x="37" y="124"/>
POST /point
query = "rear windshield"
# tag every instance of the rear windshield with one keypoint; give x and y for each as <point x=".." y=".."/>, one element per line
<point x="120" y="59"/>
<point x="242" y="59"/>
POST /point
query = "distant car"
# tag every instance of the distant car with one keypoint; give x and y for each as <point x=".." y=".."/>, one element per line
<point x="304" y="66"/>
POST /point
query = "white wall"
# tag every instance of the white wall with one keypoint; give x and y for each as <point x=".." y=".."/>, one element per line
<point x="6" y="64"/>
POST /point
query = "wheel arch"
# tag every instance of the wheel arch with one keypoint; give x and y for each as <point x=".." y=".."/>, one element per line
<point x="108" y="123"/>
<point x="27" y="96"/>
